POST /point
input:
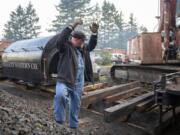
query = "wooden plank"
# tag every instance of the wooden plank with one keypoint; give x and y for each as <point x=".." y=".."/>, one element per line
<point x="144" y="105"/>
<point x="96" y="112"/>
<point x="95" y="96"/>
<point x="87" y="88"/>
<point x="122" y="95"/>
<point x="50" y="89"/>
<point x="84" y="122"/>
<point x="136" y="126"/>
<point x="122" y="101"/>
<point x="127" y="108"/>
<point x="95" y="87"/>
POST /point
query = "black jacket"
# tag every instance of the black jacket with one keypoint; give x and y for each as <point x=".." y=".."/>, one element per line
<point x="67" y="65"/>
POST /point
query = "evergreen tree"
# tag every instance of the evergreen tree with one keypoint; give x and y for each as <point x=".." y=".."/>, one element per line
<point x="114" y="32"/>
<point x="14" y="29"/>
<point x="131" y="28"/>
<point x="67" y="11"/>
<point x="132" y="25"/>
<point x="93" y="14"/>
<point x="142" y="29"/>
<point x="108" y="25"/>
<point x="119" y="21"/>
<point x="31" y="18"/>
<point x="22" y="24"/>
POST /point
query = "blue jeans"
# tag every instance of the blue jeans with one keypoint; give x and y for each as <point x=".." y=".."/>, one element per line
<point x="65" y="97"/>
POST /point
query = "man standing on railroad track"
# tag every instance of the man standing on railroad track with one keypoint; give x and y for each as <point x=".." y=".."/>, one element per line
<point x="73" y="67"/>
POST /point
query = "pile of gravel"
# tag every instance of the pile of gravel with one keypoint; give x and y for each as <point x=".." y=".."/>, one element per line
<point x="19" y="118"/>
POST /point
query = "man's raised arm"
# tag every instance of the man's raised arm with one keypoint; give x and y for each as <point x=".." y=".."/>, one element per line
<point x="93" y="39"/>
<point x="65" y="34"/>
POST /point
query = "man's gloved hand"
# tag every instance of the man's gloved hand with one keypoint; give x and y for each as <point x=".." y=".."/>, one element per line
<point x="94" y="27"/>
<point x="77" y="22"/>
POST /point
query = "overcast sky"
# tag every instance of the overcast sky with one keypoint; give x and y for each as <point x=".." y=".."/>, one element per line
<point x="144" y="10"/>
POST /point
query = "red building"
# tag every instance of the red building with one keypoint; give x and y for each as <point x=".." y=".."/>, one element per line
<point x="3" y="45"/>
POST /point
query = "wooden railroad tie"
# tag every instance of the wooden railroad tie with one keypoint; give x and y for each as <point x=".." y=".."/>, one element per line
<point x="126" y="108"/>
<point x="99" y="95"/>
<point x="122" y="95"/>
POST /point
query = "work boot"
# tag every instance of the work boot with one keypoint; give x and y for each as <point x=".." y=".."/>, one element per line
<point x="73" y="131"/>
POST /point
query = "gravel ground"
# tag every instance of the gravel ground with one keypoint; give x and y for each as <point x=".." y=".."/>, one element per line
<point x="20" y="116"/>
<point x="30" y="112"/>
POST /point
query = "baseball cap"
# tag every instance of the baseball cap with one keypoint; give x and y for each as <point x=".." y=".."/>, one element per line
<point x="79" y="35"/>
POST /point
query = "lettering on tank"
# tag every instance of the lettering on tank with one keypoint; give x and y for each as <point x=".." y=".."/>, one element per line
<point x="32" y="66"/>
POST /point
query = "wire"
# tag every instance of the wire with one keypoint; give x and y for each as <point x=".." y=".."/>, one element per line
<point x="158" y="8"/>
<point x="158" y="14"/>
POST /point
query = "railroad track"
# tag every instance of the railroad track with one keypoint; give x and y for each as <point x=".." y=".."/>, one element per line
<point x="120" y="100"/>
